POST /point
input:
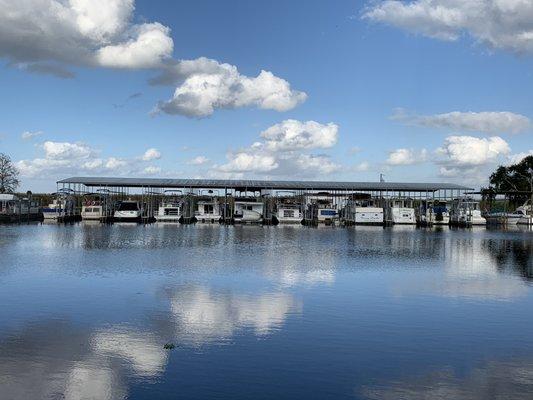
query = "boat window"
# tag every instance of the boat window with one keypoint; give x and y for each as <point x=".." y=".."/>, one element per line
<point x="128" y="207"/>
<point x="288" y="213"/>
<point x="208" y="209"/>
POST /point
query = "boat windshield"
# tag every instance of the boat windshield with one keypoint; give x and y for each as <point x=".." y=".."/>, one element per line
<point x="128" y="207"/>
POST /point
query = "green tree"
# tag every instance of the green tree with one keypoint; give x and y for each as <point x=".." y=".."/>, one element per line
<point x="8" y="175"/>
<point x="514" y="178"/>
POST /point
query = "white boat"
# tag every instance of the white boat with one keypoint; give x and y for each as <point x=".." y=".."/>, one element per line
<point x="465" y="211"/>
<point x="247" y="211"/>
<point x="432" y="212"/>
<point x="288" y="214"/>
<point x="207" y="211"/>
<point x="503" y="218"/>
<point x="401" y="212"/>
<point x="127" y="211"/>
<point x="369" y="215"/>
<point x="13" y="208"/>
<point x="94" y="208"/>
<point x="321" y="209"/>
<point x="169" y="211"/>
<point x="527" y="214"/>
<point x="60" y="207"/>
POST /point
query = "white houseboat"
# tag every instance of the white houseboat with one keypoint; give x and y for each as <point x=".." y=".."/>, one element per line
<point x="95" y="207"/>
<point x="207" y="211"/>
<point x="401" y="212"/>
<point x="287" y="213"/>
<point x="169" y="211"/>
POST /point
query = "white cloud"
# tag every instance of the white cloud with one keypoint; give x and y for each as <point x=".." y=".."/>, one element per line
<point x="30" y="135"/>
<point x="487" y="121"/>
<point x="305" y="164"/>
<point x="151" y="154"/>
<point x="249" y="162"/>
<point x="66" y="150"/>
<point x="282" y="152"/>
<point x="65" y="158"/>
<point x="206" y="85"/>
<point x="406" y="157"/>
<point x="472" y="151"/>
<point x="45" y="35"/>
<point x="152" y="170"/>
<point x="500" y="24"/>
<point x="516" y="158"/>
<point x="292" y="135"/>
<point x="199" y="160"/>
<point x="149" y="48"/>
<point x="114" y="163"/>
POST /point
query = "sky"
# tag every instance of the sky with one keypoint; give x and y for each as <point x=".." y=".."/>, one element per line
<point x="421" y="90"/>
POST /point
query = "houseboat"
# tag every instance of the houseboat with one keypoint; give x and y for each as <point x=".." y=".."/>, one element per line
<point x="288" y="213"/>
<point x="207" y="211"/>
<point x="465" y="211"/>
<point x="400" y="212"/>
<point x="13" y="208"/>
<point x="95" y="207"/>
<point x="169" y="211"/>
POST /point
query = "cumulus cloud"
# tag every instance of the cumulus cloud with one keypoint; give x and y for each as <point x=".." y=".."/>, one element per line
<point x="205" y="85"/>
<point x="199" y="160"/>
<point x="151" y="154"/>
<point x="30" y="135"/>
<point x="282" y="152"/>
<point x="293" y="135"/>
<point x="244" y="161"/>
<point x="500" y="24"/>
<point x="406" y="157"/>
<point x="487" y="122"/>
<point x="472" y="151"/>
<point x="46" y="35"/>
<point x="152" y="170"/>
<point x="66" y="158"/>
<point x="516" y="158"/>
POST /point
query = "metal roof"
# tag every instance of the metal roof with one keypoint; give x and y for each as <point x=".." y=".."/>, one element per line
<point x="261" y="184"/>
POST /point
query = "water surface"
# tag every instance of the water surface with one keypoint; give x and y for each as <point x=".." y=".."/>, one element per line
<point x="264" y="312"/>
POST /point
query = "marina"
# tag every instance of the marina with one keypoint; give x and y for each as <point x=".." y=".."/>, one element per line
<point x="311" y="203"/>
<point x="273" y="202"/>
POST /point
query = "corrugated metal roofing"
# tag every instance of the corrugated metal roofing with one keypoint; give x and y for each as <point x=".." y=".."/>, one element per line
<point x="261" y="184"/>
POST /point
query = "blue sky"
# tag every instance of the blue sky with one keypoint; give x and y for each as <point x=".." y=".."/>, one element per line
<point x="360" y="88"/>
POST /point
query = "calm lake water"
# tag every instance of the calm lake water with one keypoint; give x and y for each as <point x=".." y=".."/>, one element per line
<point x="264" y="312"/>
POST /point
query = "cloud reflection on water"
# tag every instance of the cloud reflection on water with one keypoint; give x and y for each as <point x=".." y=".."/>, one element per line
<point x="484" y="270"/>
<point x="57" y="360"/>
<point x="509" y="380"/>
